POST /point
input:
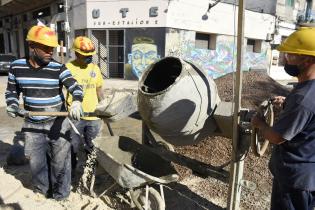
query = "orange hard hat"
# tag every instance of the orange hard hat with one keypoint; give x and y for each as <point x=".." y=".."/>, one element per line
<point x="83" y="46"/>
<point x="43" y="35"/>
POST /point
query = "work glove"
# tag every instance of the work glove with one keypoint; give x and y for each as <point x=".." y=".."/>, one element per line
<point x="12" y="110"/>
<point x="76" y="111"/>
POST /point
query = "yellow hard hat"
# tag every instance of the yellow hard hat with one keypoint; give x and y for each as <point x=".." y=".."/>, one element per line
<point x="43" y="35"/>
<point x="84" y="46"/>
<point x="301" y="42"/>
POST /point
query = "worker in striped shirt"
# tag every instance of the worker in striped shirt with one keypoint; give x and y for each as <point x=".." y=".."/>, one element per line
<point x="47" y="144"/>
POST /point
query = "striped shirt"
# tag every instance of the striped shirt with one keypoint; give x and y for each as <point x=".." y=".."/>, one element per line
<point x="41" y="87"/>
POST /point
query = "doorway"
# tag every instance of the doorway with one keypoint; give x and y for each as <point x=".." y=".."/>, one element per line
<point x="110" y="52"/>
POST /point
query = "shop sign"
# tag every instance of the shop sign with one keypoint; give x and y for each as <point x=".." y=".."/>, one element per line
<point x="125" y="21"/>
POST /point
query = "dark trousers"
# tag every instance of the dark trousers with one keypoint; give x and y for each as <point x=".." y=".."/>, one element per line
<point x="283" y="198"/>
<point x="47" y="146"/>
<point x="88" y="130"/>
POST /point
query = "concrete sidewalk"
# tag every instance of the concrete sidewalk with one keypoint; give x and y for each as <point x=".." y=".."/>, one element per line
<point x="120" y="84"/>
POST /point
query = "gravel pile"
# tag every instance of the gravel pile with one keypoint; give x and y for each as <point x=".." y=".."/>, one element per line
<point x="257" y="87"/>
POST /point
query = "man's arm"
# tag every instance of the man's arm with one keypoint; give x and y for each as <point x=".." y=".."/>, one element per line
<point x="267" y="131"/>
<point x="100" y="94"/>
<point x="12" y="95"/>
<point x="99" y="84"/>
<point x="71" y="84"/>
<point x="12" y="92"/>
<point x="75" y="110"/>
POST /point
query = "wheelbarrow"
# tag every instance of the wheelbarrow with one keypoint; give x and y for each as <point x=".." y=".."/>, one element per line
<point x="135" y="168"/>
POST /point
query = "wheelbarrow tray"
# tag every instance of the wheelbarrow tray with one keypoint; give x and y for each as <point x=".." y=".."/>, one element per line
<point x="130" y="164"/>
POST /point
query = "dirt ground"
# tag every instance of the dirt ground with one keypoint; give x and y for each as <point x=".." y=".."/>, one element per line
<point x="191" y="192"/>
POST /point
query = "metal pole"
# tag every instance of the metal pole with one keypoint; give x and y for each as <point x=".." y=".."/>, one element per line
<point x="237" y="165"/>
<point x="67" y="29"/>
<point x="62" y="59"/>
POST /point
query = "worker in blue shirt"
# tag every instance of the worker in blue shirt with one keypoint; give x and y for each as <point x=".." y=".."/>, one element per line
<point x="40" y="80"/>
<point x="293" y="158"/>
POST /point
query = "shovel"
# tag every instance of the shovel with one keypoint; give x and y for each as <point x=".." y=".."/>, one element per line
<point x="24" y="113"/>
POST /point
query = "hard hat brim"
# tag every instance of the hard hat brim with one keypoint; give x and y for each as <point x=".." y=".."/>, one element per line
<point x="85" y="53"/>
<point x="46" y="44"/>
<point x="286" y="49"/>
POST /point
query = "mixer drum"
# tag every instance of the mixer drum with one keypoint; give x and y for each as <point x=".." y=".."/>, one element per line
<point x="176" y="100"/>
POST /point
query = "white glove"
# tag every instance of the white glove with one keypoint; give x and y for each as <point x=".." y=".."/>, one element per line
<point x="76" y="111"/>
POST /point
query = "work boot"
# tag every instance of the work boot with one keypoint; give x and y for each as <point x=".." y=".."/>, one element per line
<point x="39" y="196"/>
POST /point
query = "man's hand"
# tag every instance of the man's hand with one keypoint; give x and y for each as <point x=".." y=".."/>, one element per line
<point x="266" y="131"/>
<point x="278" y="101"/>
<point x="258" y="122"/>
<point x="76" y="111"/>
<point x="12" y="110"/>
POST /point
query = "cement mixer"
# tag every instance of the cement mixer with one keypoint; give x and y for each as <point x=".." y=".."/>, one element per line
<point x="180" y="102"/>
<point x="177" y="100"/>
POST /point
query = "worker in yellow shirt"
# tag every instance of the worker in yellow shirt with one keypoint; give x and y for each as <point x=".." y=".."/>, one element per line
<point x="89" y="76"/>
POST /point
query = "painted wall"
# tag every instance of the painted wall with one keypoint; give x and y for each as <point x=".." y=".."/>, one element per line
<point x="217" y="62"/>
<point x="181" y="14"/>
<point x="142" y="48"/>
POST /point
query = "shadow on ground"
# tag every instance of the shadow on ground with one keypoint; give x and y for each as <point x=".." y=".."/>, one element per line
<point x="11" y="206"/>
<point x="178" y="196"/>
<point x="21" y="172"/>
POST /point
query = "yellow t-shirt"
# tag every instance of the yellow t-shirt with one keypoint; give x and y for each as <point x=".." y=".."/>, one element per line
<point x="89" y="78"/>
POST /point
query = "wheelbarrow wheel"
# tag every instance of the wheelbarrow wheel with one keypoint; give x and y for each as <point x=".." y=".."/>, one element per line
<point x="155" y="201"/>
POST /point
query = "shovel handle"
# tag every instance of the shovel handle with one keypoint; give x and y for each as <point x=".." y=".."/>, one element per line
<point x="24" y="113"/>
<point x="59" y="114"/>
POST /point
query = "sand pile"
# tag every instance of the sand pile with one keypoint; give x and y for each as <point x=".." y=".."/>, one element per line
<point x="257" y="87"/>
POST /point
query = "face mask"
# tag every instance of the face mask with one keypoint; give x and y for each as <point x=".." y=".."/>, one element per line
<point x="88" y="59"/>
<point x="39" y="60"/>
<point x="292" y="70"/>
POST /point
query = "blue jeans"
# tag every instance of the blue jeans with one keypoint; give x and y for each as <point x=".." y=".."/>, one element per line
<point x="47" y="146"/>
<point x="283" y="198"/>
<point x="88" y="130"/>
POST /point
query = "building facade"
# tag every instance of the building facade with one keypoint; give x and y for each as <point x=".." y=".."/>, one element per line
<point x="131" y="34"/>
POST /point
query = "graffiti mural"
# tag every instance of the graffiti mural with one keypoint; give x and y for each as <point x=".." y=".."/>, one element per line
<point x="216" y="62"/>
<point x="143" y="47"/>
<point x="143" y="53"/>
